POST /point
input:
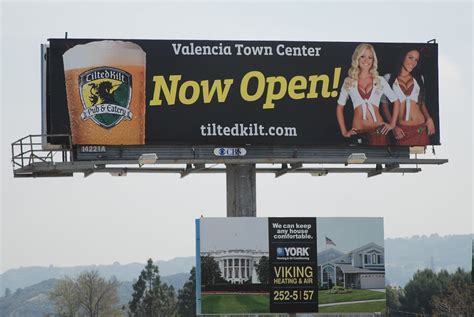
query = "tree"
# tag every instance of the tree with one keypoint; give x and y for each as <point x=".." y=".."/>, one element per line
<point x="87" y="295"/>
<point x="150" y="297"/>
<point x="441" y="293"/>
<point x="421" y="288"/>
<point x="169" y="303"/>
<point x="458" y="299"/>
<point x="64" y="299"/>
<point x="262" y="269"/>
<point x="187" y="297"/>
<point x="96" y="296"/>
<point x="393" y="297"/>
<point x="210" y="271"/>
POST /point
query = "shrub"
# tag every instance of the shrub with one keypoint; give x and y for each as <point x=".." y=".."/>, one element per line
<point x="339" y="290"/>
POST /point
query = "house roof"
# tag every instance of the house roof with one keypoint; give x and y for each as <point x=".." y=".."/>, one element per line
<point x="367" y="246"/>
<point x="348" y="268"/>
<point x="334" y="256"/>
<point x="343" y="258"/>
<point x="329" y="255"/>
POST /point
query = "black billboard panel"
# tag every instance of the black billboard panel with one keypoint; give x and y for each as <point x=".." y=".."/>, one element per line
<point x="293" y="265"/>
<point x="166" y="92"/>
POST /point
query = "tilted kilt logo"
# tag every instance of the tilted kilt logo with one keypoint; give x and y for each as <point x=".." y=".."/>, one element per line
<point x="105" y="94"/>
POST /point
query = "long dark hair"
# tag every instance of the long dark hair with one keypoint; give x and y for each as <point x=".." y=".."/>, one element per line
<point x="416" y="72"/>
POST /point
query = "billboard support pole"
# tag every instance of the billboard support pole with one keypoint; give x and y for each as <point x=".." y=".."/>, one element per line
<point x="241" y="190"/>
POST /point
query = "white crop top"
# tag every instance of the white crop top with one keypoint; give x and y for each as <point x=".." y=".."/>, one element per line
<point x="369" y="103"/>
<point x="405" y="98"/>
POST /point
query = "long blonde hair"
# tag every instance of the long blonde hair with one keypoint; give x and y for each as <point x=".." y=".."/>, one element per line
<point x="354" y="70"/>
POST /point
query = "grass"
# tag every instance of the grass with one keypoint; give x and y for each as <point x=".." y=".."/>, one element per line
<point x="357" y="294"/>
<point x="235" y="303"/>
<point x="355" y="308"/>
<point x="260" y="303"/>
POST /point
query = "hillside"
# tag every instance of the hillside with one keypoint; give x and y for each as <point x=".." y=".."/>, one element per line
<point x="29" y="302"/>
<point x="404" y="256"/>
<point x="27" y="276"/>
<point x="33" y="301"/>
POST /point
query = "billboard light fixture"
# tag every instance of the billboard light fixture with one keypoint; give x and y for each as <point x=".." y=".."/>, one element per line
<point x="417" y="149"/>
<point x="320" y="173"/>
<point x="119" y="173"/>
<point x="356" y="158"/>
<point x="147" y="158"/>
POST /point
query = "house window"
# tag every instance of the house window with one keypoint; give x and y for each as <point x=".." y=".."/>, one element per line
<point x="378" y="258"/>
<point x="328" y="274"/>
<point x="367" y="259"/>
<point x="373" y="258"/>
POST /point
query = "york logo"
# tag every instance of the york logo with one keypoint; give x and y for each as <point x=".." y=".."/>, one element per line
<point x="293" y="251"/>
<point x="106" y="93"/>
<point x="281" y="252"/>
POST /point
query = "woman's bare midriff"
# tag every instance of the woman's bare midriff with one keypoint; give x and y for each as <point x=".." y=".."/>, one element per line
<point x="359" y="123"/>
<point x="416" y="116"/>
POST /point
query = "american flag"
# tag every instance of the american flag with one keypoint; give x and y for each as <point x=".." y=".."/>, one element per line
<point x="330" y="242"/>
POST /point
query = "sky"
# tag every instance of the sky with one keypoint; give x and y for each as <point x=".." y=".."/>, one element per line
<point x="349" y="233"/>
<point x="103" y="219"/>
<point x="234" y="233"/>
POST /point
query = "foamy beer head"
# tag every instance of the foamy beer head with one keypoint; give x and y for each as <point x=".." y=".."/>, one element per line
<point x="105" y="85"/>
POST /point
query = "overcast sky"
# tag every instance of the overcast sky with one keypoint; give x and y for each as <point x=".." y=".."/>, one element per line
<point x="234" y="233"/>
<point x="349" y="233"/>
<point x="102" y="219"/>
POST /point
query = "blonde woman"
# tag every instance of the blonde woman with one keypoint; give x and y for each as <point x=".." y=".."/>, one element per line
<point x="365" y="88"/>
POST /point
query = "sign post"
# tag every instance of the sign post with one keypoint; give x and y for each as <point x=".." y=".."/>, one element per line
<point x="241" y="190"/>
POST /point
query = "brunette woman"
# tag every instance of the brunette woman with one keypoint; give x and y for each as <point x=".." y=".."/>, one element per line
<point x="414" y="123"/>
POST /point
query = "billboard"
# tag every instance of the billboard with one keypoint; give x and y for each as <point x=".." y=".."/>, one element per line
<point x="290" y="265"/>
<point x="167" y="92"/>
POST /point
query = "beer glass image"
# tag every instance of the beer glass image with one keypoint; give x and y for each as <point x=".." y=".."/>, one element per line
<point x="105" y="86"/>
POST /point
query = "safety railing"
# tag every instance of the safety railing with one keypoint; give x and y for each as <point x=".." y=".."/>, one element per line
<point x="34" y="149"/>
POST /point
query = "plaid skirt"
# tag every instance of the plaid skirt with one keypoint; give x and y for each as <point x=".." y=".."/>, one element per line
<point x="414" y="135"/>
<point x="373" y="136"/>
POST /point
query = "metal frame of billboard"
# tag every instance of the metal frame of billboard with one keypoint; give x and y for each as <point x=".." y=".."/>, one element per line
<point x="31" y="159"/>
<point x="35" y="156"/>
<point x="45" y="144"/>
